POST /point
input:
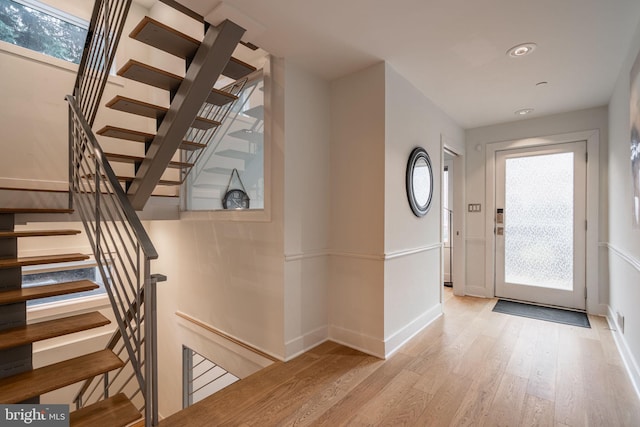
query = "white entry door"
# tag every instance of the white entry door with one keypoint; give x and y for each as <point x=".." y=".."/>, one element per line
<point x="540" y="223"/>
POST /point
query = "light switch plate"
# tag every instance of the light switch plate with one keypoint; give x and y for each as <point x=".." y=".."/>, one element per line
<point x="475" y="207"/>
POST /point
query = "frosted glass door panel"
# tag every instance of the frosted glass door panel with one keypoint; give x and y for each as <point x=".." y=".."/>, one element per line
<point x="539" y="220"/>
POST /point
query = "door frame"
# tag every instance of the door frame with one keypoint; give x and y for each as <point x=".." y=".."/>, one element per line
<point x="592" y="137"/>
<point x="573" y="298"/>
<point x="458" y="251"/>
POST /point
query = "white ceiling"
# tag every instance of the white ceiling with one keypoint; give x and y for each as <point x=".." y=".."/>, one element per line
<point x="454" y="50"/>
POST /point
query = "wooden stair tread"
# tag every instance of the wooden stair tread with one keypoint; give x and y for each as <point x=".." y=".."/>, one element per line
<point x="220" y="97"/>
<point x="26" y="385"/>
<point x="43" y="259"/>
<point x="141" y="108"/>
<point x="35" y="210"/>
<point x="152" y="76"/>
<point x="237" y="69"/>
<point x="165" y="38"/>
<point x="144" y="73"/>
<point x="137" y="136"/>
<point x="114" y="411"/>
<point x="28" y="334"/>
<point x="191" y="146"/>
<point x="131" y="178"/>
<point x="45" y="291"/>
<point x="37" y="233"/>
<point x="125" y="158"/>
<point x="176" y="43"/>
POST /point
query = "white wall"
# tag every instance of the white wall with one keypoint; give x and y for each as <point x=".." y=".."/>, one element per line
<point x="385" y="269"/>
<point x="357" y="186"/>
<point x="306" y="209"/>
<point x="476" y="140"/>
<point x="412" y="245"/>
<point x="34" y="122"/>
<point x="623" y="243"/>
<point x="226" y="273"/>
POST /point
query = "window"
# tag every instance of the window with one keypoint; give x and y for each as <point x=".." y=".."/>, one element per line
<point x="238" y="145"/>
<point x="80" y="272"/>
<point x="41" y="28"/>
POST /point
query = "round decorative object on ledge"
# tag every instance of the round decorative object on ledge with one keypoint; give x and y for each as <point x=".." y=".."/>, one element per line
<point x="236" y="198"/>
<point x="419" y="181"/>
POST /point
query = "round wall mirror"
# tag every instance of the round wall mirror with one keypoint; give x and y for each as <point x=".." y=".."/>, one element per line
<point x="419" y="181"/>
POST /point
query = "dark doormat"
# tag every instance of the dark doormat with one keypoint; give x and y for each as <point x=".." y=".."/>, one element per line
<point x="542" y="313"/>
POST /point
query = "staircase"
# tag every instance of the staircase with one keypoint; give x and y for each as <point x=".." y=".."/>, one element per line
<point x="194" y="109"/>
<point x="118" y="382"/>
<point x="19" y="382"/>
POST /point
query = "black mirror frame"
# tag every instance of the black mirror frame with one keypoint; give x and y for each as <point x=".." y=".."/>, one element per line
<point x="416" y="154"/>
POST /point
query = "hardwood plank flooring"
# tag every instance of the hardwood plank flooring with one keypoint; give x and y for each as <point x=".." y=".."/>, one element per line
<point x="470" y="367"/>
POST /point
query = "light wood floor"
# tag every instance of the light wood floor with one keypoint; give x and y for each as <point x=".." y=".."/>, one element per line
<point x="472" y="367"/>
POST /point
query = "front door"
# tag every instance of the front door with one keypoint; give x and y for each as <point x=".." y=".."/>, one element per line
<point x="540" y="226"/>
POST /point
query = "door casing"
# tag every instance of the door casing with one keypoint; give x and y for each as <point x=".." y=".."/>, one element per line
<point x="592" y="137"/>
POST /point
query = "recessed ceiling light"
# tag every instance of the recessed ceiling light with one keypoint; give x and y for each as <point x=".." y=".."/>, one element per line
<point x="523" y="112"/>
<point x="521" y="50"/>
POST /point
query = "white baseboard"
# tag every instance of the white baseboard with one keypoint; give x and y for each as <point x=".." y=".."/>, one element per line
<point x="602" y="310"/>
<point x="399" y="338"/>
<point x="358" y="341"/>
<point x="383" y="349"/>
<point x="623" y="348"/>
<point x="306" y="342"/>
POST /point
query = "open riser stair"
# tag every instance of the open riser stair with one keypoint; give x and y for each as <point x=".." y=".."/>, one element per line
<point x="117" y="384"/>
<point x="194" y="108"/>
<point x="19" y="381"/>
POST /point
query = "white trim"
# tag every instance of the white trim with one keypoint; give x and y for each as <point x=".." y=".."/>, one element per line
<point x="371" y="257"/>
<point x="593" y="193"/>
<point x="306" y="255"/>
<point x="357" y="341"/>
<point x="295" y="347"/>
<point x="54" y="12"/>
<point x="625" y="353"/>
<point x="412" y="251"/>
<point x="399" y="338"/>
<point x="51" y="61"/>
<point x="634" y="262"/>
<point x="250" y="215"/>
<point x="386" y="256"/>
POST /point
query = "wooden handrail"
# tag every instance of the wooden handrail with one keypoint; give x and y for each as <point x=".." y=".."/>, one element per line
<point x="225" y="336"/>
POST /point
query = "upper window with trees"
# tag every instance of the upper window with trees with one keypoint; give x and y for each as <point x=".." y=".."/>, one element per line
<point x="42" y="28"/>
